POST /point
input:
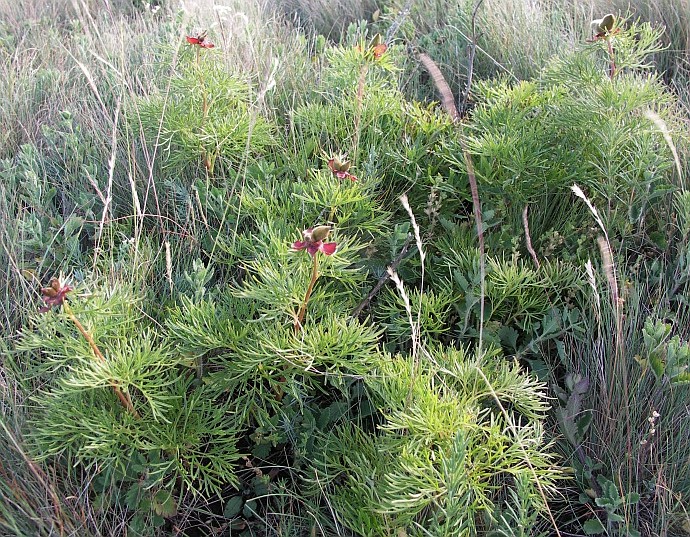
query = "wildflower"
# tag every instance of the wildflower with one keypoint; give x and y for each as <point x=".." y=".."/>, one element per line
<point x="54" y="294"/>
<point x="200" y="39"/>
<point x="313" y="241"/>
<point x="339" y="166"/>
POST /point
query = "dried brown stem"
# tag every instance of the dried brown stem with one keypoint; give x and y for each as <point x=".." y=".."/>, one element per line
<point x="472" y="50"/>
<point x="442" y="86"/>
<point x="612" y="58"/>
<point x="449" y="105"/>
<point x="528" y="238"/>
<point x="620" y="366"/>
<point x="480" y="233"/>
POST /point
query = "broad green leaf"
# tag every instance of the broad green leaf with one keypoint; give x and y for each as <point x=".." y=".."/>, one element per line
<point x="593" y="527"/>
<point x="233" y="507"/>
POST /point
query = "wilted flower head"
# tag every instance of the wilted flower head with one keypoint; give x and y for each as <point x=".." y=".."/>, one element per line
<point x="377" y="47"/>
<point x="54" y="294"/>
<point x="603" y="26"/>
<point x="313" y="241"/>
<point x="339" y="166"/>
<point x="200" y="40"/>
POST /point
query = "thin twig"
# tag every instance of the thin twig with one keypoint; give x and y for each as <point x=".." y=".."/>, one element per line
<point x="476" y="204"/>
<point x="472" y="49"/>
<point x="397" y="23"/>
<point x="107" y="200"/>
<point x="528" y="238"/>
<point x="612" y="58"/>
<point x="480" y="233"/>
<point x="384" y="277"/>
<point x="303" y="308"/>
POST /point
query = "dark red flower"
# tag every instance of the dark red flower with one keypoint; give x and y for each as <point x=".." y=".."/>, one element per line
<point x="55" y="294"/>
<point x="200" y="40"/>
<point x="340" y="167"/>
<point x="313" y="241"/>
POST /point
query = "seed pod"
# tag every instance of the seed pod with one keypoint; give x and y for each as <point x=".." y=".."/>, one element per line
<point x="602" y="26"/>
<point x="338" y="164"/>
<point x="320" y="233"/>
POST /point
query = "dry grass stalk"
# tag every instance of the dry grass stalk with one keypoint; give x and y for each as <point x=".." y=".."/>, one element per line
<point x="528" y="238"/>
<point x="449" y="105"/>
<point x="447" y="99"/>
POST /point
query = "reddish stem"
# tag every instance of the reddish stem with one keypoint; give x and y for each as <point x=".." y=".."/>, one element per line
<point x="204" y="112"/>
<point x="125" y="399"/>
<point x="303" y="308"/>
<point x="612" y="68"/>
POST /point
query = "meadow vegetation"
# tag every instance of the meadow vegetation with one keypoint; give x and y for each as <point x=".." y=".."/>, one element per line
<point x="383" y="268"/>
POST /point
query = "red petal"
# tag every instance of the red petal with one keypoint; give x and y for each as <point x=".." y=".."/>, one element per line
<point x="328" y="248"/>
<point x="380" y="50"/>
<point x="62" y="293"/>
<point x="299" y="245"/>
<point x="207" y="44"/>
<point x="331" y="165"/>
<point x="313" y="247"/>
<point x="193" y="40"/>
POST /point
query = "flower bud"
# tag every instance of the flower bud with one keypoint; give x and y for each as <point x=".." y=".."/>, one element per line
<point x="320" y="233"/>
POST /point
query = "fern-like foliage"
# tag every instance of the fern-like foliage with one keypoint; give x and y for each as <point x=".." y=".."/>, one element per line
<point x="445" y="457"/>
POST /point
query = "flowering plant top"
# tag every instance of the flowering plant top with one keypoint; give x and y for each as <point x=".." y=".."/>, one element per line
<point x="54" y="294"/>
<point x="314" y="241"/>
<point x="339" y="166"/>
<point x="200" y="40"/>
